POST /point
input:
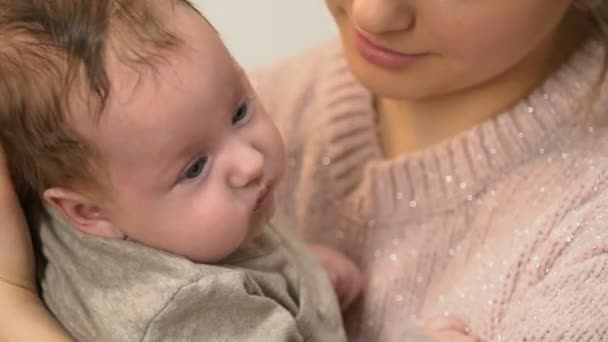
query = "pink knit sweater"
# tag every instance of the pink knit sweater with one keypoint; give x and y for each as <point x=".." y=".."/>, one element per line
<point x="502" y="225"/>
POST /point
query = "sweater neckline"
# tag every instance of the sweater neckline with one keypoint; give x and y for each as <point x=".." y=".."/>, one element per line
<point x="456" y="170"/>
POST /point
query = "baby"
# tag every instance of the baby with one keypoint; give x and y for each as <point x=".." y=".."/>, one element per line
<point x="157" y="166"/>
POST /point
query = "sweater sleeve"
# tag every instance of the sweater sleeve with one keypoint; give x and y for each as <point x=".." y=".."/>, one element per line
<point x="222" y="308"/>
<point x="571" y="302"/>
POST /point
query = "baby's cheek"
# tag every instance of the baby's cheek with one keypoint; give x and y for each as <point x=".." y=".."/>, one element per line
<point x="213" y="234"/>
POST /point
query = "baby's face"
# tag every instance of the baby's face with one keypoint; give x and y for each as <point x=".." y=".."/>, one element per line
<point x="192" y="156"/>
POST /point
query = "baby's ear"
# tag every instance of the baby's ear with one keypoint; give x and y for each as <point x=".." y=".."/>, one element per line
<point x="82" y="213"/>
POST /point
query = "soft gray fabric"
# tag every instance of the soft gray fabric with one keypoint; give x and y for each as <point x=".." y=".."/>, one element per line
<point x="109" y="290"/>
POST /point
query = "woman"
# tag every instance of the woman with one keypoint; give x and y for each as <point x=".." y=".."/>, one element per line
<point x="452" y="149"/>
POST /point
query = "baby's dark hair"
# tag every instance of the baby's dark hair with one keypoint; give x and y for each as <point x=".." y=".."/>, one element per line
<point x="49" y="49"/>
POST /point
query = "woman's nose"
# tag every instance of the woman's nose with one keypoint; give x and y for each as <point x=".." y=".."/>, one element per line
<point x="383" y="16"/>
<point x="247" y="167"/>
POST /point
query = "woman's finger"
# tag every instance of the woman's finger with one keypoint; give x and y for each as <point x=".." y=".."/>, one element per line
<point x="451" y="336"/>
<point x="442" y="322"/>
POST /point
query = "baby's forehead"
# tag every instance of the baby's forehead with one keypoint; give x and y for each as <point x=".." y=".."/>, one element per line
<point x="196" y="77"/>
<point x="200" y="64"/>
<point x="166" y="103"/>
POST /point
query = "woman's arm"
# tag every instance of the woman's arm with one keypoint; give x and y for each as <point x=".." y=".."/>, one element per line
<point x="23" y="317"/>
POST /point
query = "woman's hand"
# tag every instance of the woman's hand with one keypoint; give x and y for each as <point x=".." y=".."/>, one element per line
<point x="17" y="266"/>
<point x="343" y="273"/>
<point x="442" y="329"/>
<point x="449" y="329"/>
<point x="23" y="317"/>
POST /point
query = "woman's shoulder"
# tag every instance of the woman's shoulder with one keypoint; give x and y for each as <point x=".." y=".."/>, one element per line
<point x="292" y="90"/>
<point x="291" y="87"/>
<point x="566" y="190"/>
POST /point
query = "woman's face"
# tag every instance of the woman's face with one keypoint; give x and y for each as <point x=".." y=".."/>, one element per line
<point x="416" y="49"/>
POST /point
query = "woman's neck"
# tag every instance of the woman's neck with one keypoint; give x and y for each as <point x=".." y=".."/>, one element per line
<point x="409" y="126"/>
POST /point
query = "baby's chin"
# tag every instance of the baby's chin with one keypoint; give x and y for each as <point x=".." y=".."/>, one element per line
<point x="220" y="256"/>
<point x="259" y="221"/>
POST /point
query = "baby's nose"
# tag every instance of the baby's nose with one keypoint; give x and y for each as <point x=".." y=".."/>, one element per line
<point x="248" y="168"/>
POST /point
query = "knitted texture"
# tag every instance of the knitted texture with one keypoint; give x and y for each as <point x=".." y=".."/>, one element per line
<point x="501" y="225"/>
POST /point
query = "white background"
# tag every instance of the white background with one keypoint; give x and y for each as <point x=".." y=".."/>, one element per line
<point x="259" y="32"/>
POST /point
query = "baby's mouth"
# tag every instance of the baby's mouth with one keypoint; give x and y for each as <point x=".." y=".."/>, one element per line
<point x="262" y="198"/>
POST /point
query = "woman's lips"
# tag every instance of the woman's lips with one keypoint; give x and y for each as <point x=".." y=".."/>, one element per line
<point x="381" y="56"/>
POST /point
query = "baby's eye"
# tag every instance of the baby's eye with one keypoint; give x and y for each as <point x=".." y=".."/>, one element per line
<point x="241" y="113"/>
<point x="196" y="168"/>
